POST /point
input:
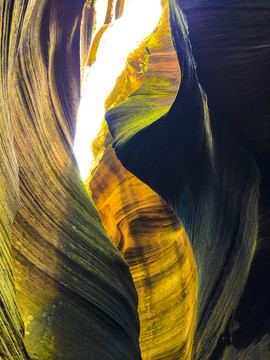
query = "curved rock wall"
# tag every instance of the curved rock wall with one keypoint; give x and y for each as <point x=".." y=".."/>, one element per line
<point x="189" y="156"/>
<point x="139" y="222"/>
<point x="204" y="149"/>
<point x="230" y="43"/>
<point x="74" y="289"/>
<point x="11" y="325"/>
<point x="157" y="250"/>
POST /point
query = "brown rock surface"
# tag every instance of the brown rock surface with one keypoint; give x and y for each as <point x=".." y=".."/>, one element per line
<point x="193" y="155"/>
<point x="140" y="223"/>
<point x="74" y="288"/>
<point x="75" y="297"/>
<point x="157" y="250"/>
<point x="11" y="325"/>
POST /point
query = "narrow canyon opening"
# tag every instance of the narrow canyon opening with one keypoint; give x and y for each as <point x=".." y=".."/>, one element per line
<point x="168" y="258"/>
<point x="116" y="41"/>
<point x="133" y="59"/>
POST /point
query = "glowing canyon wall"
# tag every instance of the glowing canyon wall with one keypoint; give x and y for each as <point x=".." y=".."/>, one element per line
<point x="139" y="222"/>
<point x="73" y="287"/>
<point x="169" y="257"/>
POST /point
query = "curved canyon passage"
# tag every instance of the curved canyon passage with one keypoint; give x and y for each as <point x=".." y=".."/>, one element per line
<point x="163" y="252"/>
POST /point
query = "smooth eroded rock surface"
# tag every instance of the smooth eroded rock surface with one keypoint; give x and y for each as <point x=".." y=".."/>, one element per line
<point x="190" y="157"/>
<point x="196" y="240"/>
<point x="143" y="227"/>
<point x="11" y="325"/>
<point x="74" y="289"/>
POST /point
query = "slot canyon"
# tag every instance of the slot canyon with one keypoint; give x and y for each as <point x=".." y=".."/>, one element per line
<point x="162" y="252"/>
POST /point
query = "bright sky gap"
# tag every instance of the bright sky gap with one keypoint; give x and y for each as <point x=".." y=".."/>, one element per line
<point x="124" y="35"/>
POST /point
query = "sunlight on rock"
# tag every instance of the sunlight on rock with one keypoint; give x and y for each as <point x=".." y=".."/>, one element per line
<point x="118" y="41"/>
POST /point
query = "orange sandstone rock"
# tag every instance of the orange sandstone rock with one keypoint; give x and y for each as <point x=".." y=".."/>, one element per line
<point x="140" y="223"/>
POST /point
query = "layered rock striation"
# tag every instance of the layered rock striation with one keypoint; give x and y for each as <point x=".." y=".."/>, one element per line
<point x="157" y="250"/>
<point x="192" y="157"/>
<point x="188" y="206"/>
<point x="11" y="325"/>
<point x="138" y="221"/>
<point x="73" y="287"/>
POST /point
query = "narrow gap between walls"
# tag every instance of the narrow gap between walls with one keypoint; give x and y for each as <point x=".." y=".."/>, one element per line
<point x="123" y="35"/>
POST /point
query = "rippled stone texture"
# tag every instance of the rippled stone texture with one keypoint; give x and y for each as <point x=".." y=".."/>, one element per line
<point x="140" y="223"/>
<point x="11" y="325"/>
<point x="74" y="289"/>
<point x="157" y="250"/>
<point x="230" y="43"/>
<point x="208" y="177"/>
